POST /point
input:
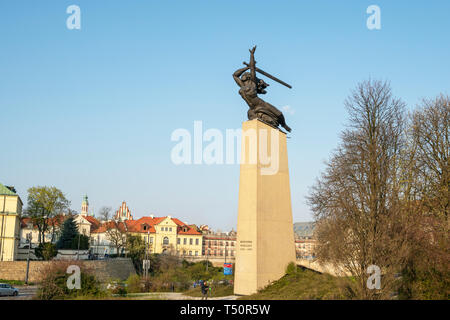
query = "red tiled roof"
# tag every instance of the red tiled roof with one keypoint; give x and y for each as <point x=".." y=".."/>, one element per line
<point x="178" y="222"/>
<point x="145" y="225"/>
<point x="139" y="225"/>
<point x="110" y="225"/>
<point x="190" y="231"/>
<point x="95" y="223"/>
<point x="58" y="220"/>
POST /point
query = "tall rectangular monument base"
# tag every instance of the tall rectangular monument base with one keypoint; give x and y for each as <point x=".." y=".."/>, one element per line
<point x="265" y="234"/>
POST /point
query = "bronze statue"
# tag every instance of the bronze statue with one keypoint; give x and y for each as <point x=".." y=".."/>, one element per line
<point x="251" y="86"/>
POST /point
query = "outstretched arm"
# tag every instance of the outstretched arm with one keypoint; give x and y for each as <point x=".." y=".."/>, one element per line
<point x="237" y="74"/>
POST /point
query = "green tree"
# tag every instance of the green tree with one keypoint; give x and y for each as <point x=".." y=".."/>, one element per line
<point x="46" y="251"/>
<point x="70" y="237"/>
<point x="135" y="247"/>
<point x="44" y="204"/>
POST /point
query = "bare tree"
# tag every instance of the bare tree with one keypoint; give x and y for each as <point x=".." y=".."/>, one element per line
<point x="430" y="135"/>
<point x="356" y="201"/>
<point x="105" y="213"/>
<point x="116" y="235"/>
<point x="426" y="177"/>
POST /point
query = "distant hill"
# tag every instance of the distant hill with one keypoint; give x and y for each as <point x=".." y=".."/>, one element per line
<point x="304" y="229"/>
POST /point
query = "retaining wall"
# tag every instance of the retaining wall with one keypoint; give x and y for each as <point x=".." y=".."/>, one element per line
<point x="119" y="268"/>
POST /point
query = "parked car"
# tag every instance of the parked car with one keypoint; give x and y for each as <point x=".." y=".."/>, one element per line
<point x="8" y="290"/>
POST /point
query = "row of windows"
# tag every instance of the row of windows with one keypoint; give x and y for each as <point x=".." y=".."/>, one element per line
<point x="191" y="241"/>
<point x="162" y="228"/>
<point x="215" y="242"/>
<point x="219" y="252"/>
<point x="305" y="246"/>
<point x="186" y="253"/>
<point x="166" y="241"/>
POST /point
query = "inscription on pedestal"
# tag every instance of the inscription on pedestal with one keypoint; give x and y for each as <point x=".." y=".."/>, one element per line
<point x="246" y="245"/>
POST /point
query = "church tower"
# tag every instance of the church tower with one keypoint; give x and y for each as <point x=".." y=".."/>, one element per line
<point x="123" y="213"/>
<point x="85" y="206"/>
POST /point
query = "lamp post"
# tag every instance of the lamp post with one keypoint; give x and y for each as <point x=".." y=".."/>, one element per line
<point x="78" y="251"/>
<point x="147" y="262"/>
<point x="207" y="262"/>
<point x="226" y="245"/>
<point x="29" y="237"/>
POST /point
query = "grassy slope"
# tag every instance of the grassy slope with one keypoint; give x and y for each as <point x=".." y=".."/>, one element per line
<point x="303" y="285"/>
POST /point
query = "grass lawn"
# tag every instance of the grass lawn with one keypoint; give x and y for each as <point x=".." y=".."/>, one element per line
<point x="303" y="285"/>
<point x="216" y="291"/>
<point x="14" y="282"/>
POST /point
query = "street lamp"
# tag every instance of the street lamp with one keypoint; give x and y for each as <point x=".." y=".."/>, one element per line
<point x="78" y="252"/>
<point x="146" y="261"/>
<point x="226" y="245"/>
<point x="29" y="237"/>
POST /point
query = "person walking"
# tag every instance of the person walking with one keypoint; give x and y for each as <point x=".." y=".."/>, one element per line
<point x="204" y="288"/>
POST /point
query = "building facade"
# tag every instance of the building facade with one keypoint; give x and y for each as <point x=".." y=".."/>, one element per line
<point x="305" y="242"/>
<point x="219" y="245"/>
<point x="11" y="208"/>
<point x="160" y="234"/>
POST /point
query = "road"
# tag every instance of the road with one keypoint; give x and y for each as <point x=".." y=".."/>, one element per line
<point x="25" y="293"/>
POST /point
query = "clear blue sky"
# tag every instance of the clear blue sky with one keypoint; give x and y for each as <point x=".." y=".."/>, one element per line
<point x="92" y="110"/>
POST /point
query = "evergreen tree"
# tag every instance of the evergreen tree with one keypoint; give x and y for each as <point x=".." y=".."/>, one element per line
<point x="69" y="234"/>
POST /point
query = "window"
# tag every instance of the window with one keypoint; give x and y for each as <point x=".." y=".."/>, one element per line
<point x="184" y="241"/>
<point x="226" y="243"/>
<point x="190" y="253"/>
<point x="170" y="229"/>
<point x="162" y="228"/>
<point x="178" y="240"/>
<point x="190" y="241"/>
<point x="196" y="253"/>
<point x="165" y="241"/>
<point x="196" y="242"/>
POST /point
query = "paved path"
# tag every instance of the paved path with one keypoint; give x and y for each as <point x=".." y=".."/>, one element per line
<point x="25" y="293"/>
<point x="179" y="296"/>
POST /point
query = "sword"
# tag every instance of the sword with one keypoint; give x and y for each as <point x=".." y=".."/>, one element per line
<point x="270" y="76"/>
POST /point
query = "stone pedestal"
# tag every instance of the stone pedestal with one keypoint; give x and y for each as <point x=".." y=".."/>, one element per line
<point x="265" y="235"/>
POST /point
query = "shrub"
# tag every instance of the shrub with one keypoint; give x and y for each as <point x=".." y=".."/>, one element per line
<point x="134" y="284"/>
<point x="46" y="251"/>
<point x="291" y="268"/>
<point x="53" y="284"/>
